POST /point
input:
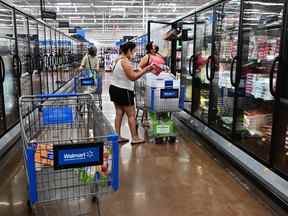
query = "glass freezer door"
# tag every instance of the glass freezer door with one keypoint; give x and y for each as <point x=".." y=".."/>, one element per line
<point x="225" y="55"/>
<point x="280" y="126"/>
<point x="187" y="57"/>
<point x="43" y="59"/>
<point x="24" y="54"/>
<point x="261" y="36"/>
<point x="49" y="59"/>
<point x="34" y="50"/>
<point x="203" y="75"/>
<point x="9" y="86"/>
<point x="280" y="139"/>
<point x="159" y="34"/>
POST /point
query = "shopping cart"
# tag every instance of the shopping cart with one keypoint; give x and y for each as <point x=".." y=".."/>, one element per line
<point x="89" y="82"/>
<point x="70" y="154"/>
<point x="158" y="96"/>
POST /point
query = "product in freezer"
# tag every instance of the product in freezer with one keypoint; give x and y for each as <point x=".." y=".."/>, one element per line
<point x="267" y="133"/>
<point x="258" y="86"/>
<point x="255" y="120"/>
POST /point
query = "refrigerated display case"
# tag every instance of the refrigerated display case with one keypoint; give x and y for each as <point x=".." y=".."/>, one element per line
<point x="43" y="59"/>
<point x="9" y="86"/>
<point x="34" y="53"/>
<point x="187" y="61"/>
<point x="227" y="19"/>
<point x="203" y="75"/>
<point x="61" y="59"/>
<point x="48" y="68"/>
<point x="261" y="36"/>
<point x="23" y="52"/>
<point x="241" y="99"/>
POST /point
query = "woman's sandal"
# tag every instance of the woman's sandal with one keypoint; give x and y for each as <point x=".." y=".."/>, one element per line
<point x="123" y="140"/>
<point x="137" y="142"/>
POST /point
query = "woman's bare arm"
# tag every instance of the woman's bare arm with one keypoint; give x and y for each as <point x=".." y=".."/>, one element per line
<point x="130" y="72"/>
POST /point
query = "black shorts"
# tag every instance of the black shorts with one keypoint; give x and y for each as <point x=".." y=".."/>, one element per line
<point x="120" y="96"/>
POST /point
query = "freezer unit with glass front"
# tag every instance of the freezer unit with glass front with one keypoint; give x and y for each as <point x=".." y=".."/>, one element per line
<point x="233" y="76"/>
<point x="28" y="62"/>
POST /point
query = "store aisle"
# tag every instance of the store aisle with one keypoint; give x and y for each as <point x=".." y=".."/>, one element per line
<point x="171" y="180"/>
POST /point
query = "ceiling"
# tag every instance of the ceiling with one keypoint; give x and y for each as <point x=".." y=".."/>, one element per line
<point x="108" y="20"/>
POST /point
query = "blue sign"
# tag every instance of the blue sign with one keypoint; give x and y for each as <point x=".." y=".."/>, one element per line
<point x="169" y="93"/>
<point x="79" y="155"/>
<point x="87" y="81"/>
<point x="57" y="115"/>
<point x="169" y="84"/>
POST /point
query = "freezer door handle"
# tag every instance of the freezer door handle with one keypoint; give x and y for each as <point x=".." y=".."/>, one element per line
<point x="29" y="60"/>
<point x="2" y="69"/>
<point x="272" y="72"/>
<point x="210" y="62"/>
<point x="66" y="59"/>
<point x="50" y="60"/>
<point x="190" y="65"/>
<point x="40" y="62"/>
<point x="61" y="59"/>
<point x="232" y="71"/>
<point x="17" y="65"/>
<point x="56" y="60"/>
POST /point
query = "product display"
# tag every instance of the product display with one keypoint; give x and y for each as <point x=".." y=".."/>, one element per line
<point x="44" y="156"/>
<point x="98" y="174"/>
<point x="162" y="92"/>
<point x="257" y="85"/>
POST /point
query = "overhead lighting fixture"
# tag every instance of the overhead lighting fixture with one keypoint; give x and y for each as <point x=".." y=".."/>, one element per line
<point x="118" y="9"/>
<point x="63" y="3"/>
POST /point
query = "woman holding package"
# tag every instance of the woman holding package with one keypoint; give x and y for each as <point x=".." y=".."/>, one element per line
<point x="121" y="90"/>
<point x="152" y="56"/>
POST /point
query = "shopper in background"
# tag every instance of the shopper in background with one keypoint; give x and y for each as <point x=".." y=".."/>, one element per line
<point x="152" y="56"/>
<point x="90" y="60"/>
<point x="121" y="90"/>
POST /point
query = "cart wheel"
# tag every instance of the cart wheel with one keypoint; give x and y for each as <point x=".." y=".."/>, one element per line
<point x="172" y="139"/>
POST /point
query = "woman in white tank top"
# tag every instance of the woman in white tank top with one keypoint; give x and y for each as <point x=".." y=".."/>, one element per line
<point x="121" y="90"/>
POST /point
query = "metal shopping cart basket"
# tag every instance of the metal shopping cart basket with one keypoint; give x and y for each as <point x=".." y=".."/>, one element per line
<point x="89" y="81"/>
<point x="160" y="96"/>
<point x="70" y="154"/>
<point x="140" y="100"/>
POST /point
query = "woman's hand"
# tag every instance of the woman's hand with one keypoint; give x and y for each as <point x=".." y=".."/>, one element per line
<point x="149" y="68"/>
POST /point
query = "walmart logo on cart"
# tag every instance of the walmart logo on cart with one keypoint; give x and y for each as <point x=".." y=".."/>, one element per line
<point x="79" y="156"/>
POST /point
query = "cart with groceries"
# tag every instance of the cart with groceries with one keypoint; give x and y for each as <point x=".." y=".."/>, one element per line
<point x="157" y="97"/>
<point x="70" y="154"/>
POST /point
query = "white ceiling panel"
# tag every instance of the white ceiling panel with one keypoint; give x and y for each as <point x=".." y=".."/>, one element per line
<point x="114" y="17"/>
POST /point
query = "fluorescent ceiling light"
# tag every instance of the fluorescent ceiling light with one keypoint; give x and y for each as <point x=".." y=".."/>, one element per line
<point x="263" y="3"/>
<point x="118" y="10"/>
<point x="63" y="3"/>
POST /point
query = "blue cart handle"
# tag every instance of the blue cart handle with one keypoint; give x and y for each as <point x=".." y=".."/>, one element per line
<point x="56" y="95"/>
